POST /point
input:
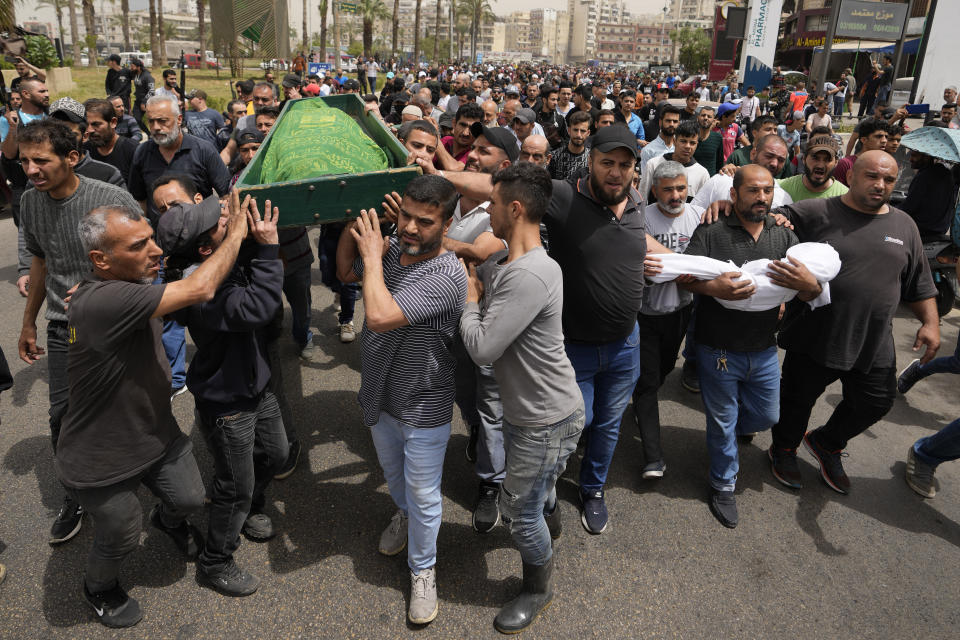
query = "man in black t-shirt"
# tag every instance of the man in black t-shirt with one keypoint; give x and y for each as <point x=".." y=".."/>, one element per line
<point x="850" y="339"/>
<point x="119" y="432"/>
<point x="103" y="143"/>
<point x="736" y="350"/>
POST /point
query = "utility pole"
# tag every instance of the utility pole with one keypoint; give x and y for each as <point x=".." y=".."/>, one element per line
<point x="898" y="51"/>
<point x="819" y="76"/>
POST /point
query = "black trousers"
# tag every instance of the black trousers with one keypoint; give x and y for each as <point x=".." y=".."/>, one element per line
<point x="867" y="397"/>
<point x="660" y="339"/>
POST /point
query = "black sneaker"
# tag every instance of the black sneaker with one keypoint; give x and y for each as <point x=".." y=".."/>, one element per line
<point x="723" y="506"/>
<point x="487" y="514"/>
<point x="689" y="377"/>
<point x="186" y="536"/>
<point x="783" y="465"/>
<point x="231" y="580"/>
<point x="114" y="608"/>
<point x="554" y="521"/>
<point x="909" y="376"/>
<point x="745" y="438"/>
<point x="472" y="443"/>
<point x="258" y="527"/>
<point x="292" y="457"/>
<point x="594" y="516"/>
<point x="831" y="468"/>
<point x="68" y="521"/>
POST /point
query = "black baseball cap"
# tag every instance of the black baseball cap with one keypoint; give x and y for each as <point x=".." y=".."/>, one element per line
<point x="498" y="137"/>
<point x="291" y="81"/>
<point x="248" y="136"/>
<point x="614" y="137"/>
<point x="182" y="224"/>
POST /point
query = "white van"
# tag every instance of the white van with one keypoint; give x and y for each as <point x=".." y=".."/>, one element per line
<point x="146" y="56"/>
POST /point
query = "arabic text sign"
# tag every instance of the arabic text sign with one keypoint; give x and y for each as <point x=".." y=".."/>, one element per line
<point x="871" y="20"/>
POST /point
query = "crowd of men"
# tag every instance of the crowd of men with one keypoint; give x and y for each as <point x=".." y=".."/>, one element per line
<point x="520" y="278"/>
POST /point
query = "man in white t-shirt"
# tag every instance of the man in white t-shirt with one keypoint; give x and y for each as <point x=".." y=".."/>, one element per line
<point x="666" y="310"/>
<point x="770" y="152"/>
<point x="750" y="106"/>
<point x="685" y="142"/>
<point x="372" y="68"/>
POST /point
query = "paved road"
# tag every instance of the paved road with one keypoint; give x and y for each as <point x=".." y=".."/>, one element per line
<point x="880" y="562"/>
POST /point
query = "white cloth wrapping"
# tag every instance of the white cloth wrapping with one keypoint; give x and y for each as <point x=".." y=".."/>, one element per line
<point x="821" y="260"/>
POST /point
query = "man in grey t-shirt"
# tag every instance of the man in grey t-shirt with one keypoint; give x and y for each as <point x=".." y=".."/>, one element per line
<point x="519" y="331"/>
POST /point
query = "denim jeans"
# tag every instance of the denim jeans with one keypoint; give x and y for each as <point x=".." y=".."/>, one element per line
<point x="175" y="345"/>
<point x="739" y="398"/>
<point x="536" y="457"/>
<point x="327" y="259"/>
<point x="296" y="287"/>
<point x="660" y="338"/>
<point x="606" y="374"/>
<point x="59" y="383"/>
<point x="248" y="447"/>
<point x="942" y="446"/>
<point x="867" y="397"/>
<point x="412" y="462"/>
<point x="946" y="364"/>
<point x="837" y="105"/>
<point x="478" y="397"/>
<point x="117" y="515"/>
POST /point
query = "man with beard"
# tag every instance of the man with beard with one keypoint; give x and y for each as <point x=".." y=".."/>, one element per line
<point x="26" y="71"/>
<point x="142" y="90"/>
<point x="51" y="212"/>
<point x="453" y="150"/>
<point x="35" y="100"/>
<point x="535" y="149"/>
<point x="126" y="125"/>
<point x="817" y="180"/>
<point x="571" y="159"/>
<point x="666" y="309"/>
<point x="582" y="104"/>
<point x="669" y="119"/>
<point x="169" y="150"/>
<point x="597" y="235"/>
<point x="770" y="153"/>
<point x="873" y="137"/>
<point x="553" y="124"/>
<point x="737" y="350"/>
<point x="201" y="120"/>
<point x="103" y="143"/>
<point x="930" y="196"/>
<point x="759" y="128"/>
<point x="709" y="151"/>
<point x="413" y="295"/>
<point x="262" y="96"/>
<point x="851" y="339"/>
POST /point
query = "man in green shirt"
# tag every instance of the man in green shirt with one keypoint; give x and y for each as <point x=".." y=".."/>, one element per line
<point x="817" y="180"/>
<point x="709" y="151"/>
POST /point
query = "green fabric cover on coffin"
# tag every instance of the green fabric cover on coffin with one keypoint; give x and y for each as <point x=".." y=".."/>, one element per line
<point x="313" y="139"/>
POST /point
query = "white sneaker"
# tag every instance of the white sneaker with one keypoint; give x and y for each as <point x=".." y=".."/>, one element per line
<point x="423" y="596"/>
<point x="308" y="351"/>
<point x="347" y="333"/>
<point x="393" y="540"/>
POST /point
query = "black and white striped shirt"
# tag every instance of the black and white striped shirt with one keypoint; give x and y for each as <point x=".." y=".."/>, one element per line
<point x="408" y="372"/>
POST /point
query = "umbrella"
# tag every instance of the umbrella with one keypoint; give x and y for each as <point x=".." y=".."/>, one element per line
<point x="937" y="142"/>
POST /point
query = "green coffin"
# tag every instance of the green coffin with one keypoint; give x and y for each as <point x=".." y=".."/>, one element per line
<point x="331" y="198"/>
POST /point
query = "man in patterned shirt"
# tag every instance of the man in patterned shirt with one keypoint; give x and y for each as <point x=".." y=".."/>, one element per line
<point x="570" y="160"/>
<point x="413" y="293"/>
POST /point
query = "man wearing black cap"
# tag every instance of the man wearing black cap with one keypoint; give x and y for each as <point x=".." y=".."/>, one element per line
<point x="142" y="89"/>
<point x="598" y="236"/>
<point x="228" y="377"/>
<point x="291" y="87"/>
<point x="523" y="124"/>
<point x="117" y="82"/>
<point x="247" y="144"/>
<point x="119" y="432"/>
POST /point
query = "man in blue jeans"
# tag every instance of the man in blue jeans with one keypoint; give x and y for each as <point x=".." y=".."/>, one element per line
<point x="346" y="292"/>
<point x="927" y="453"/>
<point x="917" y="371"/>
<point x="519" y="331"/>
<point x="737" y="350"/>
<point x="228" y="377"/>
<point x="413" y="293"/>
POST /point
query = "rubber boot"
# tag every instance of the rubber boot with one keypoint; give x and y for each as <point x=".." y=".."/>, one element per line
<point x="535" y="596"/>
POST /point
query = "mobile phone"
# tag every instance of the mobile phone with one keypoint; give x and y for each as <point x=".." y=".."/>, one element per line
<point x="918" y="108"/>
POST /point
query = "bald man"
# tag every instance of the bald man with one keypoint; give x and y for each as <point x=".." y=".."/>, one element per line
<point x="851" y="340"/>
<point x="490" y="113"/>
<point x="536" y="150"/>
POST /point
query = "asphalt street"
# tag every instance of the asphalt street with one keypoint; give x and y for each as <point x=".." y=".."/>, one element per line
<point x="878" y="563"/>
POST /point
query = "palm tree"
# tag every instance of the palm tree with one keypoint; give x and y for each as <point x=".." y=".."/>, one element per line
<point x="370" y="11"/>
<point x="479" y="12"/>
<point x="8" y="15"/>
<point x="125" y="23"/>
<point x="154" y="49"/>
<point x="89" y="23"/>
<point x="161" y="35"/>
<point x="201" y="30"/>
<point x="463" y="28"/>
<point x="396" y="25"/>
<point x="416" y="36"/>
<point x="74" y="32"/>
<point x="336" y="34"/>
<point x="57" y="6"/>
<point x="322" y="7"/>
<point x="436" y="37"/>
<point x="306" y="42"/>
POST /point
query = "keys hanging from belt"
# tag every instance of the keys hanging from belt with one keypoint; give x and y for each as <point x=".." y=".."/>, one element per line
<point x="722" y="361"/>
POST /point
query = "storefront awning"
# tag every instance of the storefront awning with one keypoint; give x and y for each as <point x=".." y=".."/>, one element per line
<point x="910" y="46"/>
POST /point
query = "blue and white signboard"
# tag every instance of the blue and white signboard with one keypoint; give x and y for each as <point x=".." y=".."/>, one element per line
<point x="315" y="68"/>
<point x="760" y="43"/>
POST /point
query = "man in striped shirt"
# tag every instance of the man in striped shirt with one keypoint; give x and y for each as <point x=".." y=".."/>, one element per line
<point x="413" y="293"/>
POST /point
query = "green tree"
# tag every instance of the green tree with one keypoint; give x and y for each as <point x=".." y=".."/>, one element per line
<point x="479" y="12"/>
<point x="694" y="48"/>
<point x="57" y="6"/>
<point x="41" y="52"/>
<point x="370" y="11"/>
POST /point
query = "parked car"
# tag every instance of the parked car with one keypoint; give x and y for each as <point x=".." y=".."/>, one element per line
<point x="276" y="64"/>
<point x="145" y="56"/>
<point x="688" y="85"/>
<point x="193" y="61"/>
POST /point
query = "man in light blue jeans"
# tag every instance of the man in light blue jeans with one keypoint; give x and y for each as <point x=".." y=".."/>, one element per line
<point x="926" y="454"/>
<point x="519" y="331"/>
<point x="413" y="293"/>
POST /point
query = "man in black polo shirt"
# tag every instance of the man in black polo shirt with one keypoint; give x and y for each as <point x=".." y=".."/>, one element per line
<point x="169" y="150"/>
<point x="850" y="339"/>
<point x="736" y="350"/>
<point x="598" y="236"/>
